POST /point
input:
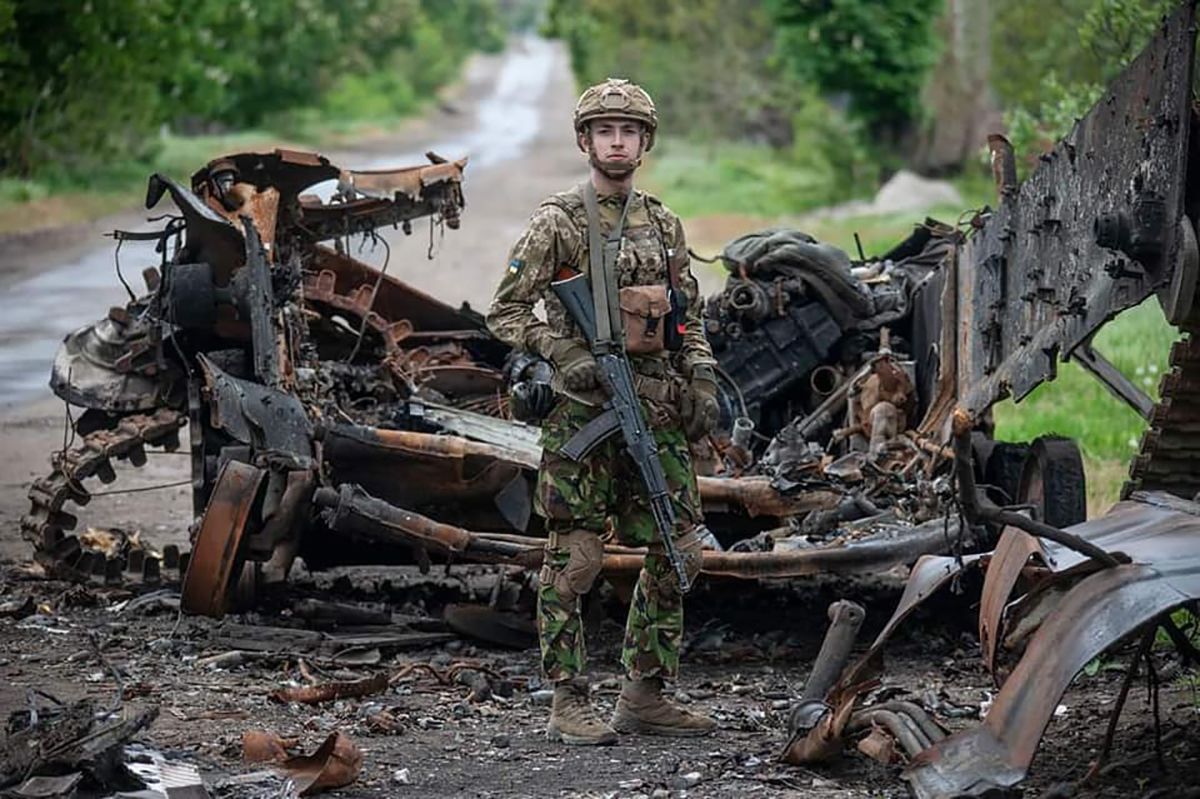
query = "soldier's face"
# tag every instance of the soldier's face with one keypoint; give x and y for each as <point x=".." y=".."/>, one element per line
<point x="616" y="141"/>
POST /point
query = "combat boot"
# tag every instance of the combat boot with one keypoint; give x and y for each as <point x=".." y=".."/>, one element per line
<point x="641" y="708"/>
<point x="572" y="719"/>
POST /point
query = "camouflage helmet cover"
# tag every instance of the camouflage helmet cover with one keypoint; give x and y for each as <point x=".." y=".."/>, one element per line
<point x="617" y="98"/>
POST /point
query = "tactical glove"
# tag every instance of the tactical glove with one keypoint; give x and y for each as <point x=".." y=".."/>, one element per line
<point x="575" y="365"/>
<point x="698" y="406"/>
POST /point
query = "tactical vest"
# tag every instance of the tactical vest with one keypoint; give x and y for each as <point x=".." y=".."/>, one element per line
<point x="645" y="259"/>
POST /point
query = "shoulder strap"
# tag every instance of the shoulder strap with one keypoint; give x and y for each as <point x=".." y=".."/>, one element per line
<point x="569" y="201"/>
<point x="662" y="218"/>
<point x="601" y="299"/>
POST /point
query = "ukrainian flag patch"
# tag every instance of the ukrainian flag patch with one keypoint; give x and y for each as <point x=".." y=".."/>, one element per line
<point x="515" y="265"/>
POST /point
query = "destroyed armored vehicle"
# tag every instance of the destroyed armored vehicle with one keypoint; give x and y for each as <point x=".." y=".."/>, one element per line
<point x="339" y="414"/>
<point x="1105" y="222"/>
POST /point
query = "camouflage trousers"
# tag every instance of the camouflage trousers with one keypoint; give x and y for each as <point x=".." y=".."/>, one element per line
<point x="604" y="493"/>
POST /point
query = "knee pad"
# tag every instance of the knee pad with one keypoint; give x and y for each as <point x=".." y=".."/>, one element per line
<point x="585" y="558"/>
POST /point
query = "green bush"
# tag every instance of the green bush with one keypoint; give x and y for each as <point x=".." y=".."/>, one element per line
<point x="709" y="64"/>
<point x="876" y="52"/>
<point x="1051" y="61"/>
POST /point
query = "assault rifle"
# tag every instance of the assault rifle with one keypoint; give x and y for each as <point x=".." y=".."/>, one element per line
<point x="622" y="412"/>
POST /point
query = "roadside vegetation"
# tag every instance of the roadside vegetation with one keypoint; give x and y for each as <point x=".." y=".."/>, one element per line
<point x="94" y="96"/>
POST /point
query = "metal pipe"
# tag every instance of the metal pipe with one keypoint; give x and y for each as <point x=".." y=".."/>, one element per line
<point x="824" y="380"/>
<point x="845" y="620"/>
<point x="760" y="498"/>
<point x="892" y="722"/>
<point x="352" y="510"/>
<point x="822" y="415"/>
<point x="912" y="710"/>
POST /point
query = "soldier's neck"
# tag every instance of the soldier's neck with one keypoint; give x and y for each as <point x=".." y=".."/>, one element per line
<point x="606" y="185"/>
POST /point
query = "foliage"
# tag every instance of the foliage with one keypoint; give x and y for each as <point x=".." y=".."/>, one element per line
<point x="708" y="64"/>
<point x="877" y="52"/>
<point x="80" y="85"/>
<point x="1075" y="405"/>
<point x="1034" y="131"/>
<point x="1052" y="59"/>
<point x="714" y="70"/>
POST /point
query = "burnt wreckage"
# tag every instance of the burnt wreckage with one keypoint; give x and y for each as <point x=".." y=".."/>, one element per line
<point x="338" y="414"/>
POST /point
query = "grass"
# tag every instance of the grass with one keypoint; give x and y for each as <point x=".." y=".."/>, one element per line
<point x="1108" y="431"/>
<point x="1074" y="404"/>
<point x="698" y="179"/>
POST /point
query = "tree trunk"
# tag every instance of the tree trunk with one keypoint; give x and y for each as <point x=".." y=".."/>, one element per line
<point x="958" y="95"/>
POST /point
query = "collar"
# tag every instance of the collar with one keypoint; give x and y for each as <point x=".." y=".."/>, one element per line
<point x="617" y="199"/>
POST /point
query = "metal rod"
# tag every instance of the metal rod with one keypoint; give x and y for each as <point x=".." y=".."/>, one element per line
<point x="978" y="509"/>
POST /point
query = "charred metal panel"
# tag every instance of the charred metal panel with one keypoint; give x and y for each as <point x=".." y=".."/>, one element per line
<point x="211" y="238"/>
<point x="255" y="414"/>
<point x="1093" y="231"/>
<point x="394" y="299"/>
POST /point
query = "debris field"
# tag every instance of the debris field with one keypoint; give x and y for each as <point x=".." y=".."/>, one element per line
<point x="896" y="603"/>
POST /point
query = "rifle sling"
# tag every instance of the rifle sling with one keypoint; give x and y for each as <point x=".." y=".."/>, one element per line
<point x="602" y="258"/>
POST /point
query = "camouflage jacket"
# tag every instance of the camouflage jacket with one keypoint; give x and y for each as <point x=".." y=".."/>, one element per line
<point x="557" y="236"/>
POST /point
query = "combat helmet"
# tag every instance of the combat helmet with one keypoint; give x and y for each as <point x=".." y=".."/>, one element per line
<point x="617" y="98"/>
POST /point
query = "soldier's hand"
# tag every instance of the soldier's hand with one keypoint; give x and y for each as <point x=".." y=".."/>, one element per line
<point x="699" y="410"/>
<point x="578" y="370"/>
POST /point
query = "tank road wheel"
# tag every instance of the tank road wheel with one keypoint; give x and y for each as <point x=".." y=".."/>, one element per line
<point x="1005" y="462"/>
<point x="1052" y="481"/>
<point x="216" y="563"/>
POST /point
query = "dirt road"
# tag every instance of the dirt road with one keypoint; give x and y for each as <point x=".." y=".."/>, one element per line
<point x="747" y="652"/>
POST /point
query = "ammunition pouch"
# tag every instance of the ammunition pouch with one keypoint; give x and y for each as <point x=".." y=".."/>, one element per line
<point x="645" y="316"/>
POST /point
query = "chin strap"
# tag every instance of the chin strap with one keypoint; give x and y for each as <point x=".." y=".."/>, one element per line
<point x="611" y="170"/>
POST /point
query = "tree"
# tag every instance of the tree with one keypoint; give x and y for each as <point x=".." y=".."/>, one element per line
<point x="874" y="52"/>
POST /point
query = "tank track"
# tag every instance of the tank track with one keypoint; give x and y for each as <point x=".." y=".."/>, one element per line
<point x="1168" y="457"/>
<point x="48" y="523"/>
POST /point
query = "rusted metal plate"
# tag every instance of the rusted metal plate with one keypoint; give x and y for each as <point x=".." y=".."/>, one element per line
<point x="1012" y="552"/>
<point x="1099" y="611"/>
<point x="289" y="171"/>
<point x="408" y="181"/>
<point x="214" y="562"/>
<point x="1094" y="230"/>
<point x="395" y="299"/>
<point x="1156" y="531"/>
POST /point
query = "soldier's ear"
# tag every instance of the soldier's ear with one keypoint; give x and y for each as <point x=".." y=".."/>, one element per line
<point x="583" y="138"/>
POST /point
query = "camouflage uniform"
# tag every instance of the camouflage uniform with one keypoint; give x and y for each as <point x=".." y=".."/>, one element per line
<point x="583" y="499"/>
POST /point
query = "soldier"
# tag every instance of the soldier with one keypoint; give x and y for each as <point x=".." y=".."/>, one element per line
<point x="586" y="502"/>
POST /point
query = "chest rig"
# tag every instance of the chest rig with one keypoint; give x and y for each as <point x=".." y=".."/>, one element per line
<point x="633" y="274"/>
